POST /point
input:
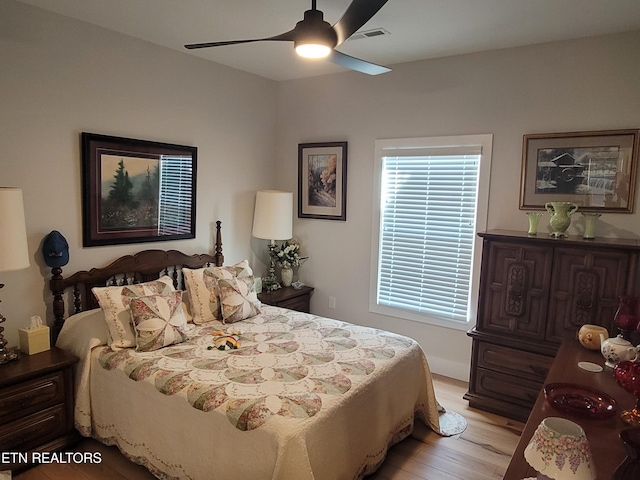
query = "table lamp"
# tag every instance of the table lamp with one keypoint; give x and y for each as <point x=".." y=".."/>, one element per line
<point x="559" y="450"/>
<point x="14" y="254"/>
<point x="273" y="220"/>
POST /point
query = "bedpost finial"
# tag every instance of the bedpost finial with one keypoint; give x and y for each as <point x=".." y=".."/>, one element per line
<point x="219" y="258"/>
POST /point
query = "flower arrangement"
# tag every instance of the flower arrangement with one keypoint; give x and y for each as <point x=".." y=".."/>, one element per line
<point x="288" y="255"/>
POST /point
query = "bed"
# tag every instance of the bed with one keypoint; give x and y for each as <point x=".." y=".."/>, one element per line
<point x="262" y="392"/>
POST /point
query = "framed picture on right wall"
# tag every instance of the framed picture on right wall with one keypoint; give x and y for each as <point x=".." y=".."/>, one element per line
<point x="322" y="180"/>
<point x="595" y="170"/>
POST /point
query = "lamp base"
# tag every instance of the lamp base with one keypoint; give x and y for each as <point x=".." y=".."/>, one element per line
<point x="6" y="355"/>
<point x="270" y="282"/>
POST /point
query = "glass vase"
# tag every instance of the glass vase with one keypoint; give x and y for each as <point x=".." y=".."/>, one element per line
<point x="627" y="374"/>
<point x="626" y="318"/>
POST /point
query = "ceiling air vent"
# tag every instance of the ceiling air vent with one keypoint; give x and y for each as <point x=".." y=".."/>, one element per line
<point x="376" y="32"/>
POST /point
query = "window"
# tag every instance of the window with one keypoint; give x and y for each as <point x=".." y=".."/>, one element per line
<point x="431" y="199"/>
<point x="176" y="195"/>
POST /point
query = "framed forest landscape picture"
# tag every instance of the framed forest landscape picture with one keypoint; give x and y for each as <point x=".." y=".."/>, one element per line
<point x="136" y="190"/>
<point x="595" y="170"/>
<point x="322" y="180"/>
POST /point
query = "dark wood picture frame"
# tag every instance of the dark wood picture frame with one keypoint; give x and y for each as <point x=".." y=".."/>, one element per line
<point x="136" y="191"/>
<point x="322" y="180"/>
<point x="596" y="170"/>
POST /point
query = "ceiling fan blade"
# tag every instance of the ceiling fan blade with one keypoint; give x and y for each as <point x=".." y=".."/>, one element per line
<point x="356" y="64"/>
<point x="287" y="36"/>
<point x="358" y="13"/>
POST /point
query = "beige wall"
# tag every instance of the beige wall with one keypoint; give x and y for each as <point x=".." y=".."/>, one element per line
<point x="579" y="85"/>
<point x="60" y="77"/>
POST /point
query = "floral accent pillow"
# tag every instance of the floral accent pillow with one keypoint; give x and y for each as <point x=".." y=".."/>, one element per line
<point x="114" y="302"/>
<point x="158" y="320"/>
<point x="204" y="294"/>
<point x="235" y="301"/>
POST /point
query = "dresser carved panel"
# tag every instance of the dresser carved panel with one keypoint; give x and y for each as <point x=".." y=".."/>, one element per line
<point x="534" y="293"/>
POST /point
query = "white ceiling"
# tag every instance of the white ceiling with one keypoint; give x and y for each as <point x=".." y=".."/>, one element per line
<point x="418" y="29"/>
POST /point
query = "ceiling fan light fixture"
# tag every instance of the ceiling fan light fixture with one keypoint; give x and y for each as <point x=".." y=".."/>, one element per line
<point x="313" y="50"/>
<point x="312" y="37"/>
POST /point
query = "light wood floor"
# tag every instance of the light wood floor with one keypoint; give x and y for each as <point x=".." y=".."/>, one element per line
<point x="481" y="452"/>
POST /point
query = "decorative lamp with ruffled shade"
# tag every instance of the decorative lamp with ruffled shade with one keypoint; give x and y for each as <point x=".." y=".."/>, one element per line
<point x="559" y="450"/>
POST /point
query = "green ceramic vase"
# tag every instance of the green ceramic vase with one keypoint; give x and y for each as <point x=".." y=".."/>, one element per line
<point x="560" y="216"/>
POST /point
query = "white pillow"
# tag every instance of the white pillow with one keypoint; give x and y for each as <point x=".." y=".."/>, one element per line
<point x="84" y="329"/>
<point x="114" y="301"/>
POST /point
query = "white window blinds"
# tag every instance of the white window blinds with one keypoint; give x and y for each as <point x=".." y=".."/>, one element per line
<point x="176" y="189"/>
<point x="428" y="199"/>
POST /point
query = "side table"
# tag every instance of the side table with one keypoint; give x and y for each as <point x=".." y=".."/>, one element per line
<point x="36" y="404"/>
<point x="288" y="297"/>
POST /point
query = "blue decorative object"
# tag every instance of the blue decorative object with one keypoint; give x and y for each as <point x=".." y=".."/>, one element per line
<point x="55" y="250"/>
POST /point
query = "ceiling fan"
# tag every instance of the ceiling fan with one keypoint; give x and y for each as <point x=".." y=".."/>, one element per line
<point x="314" y="38"/>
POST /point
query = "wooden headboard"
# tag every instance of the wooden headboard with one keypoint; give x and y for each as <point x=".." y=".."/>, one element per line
<point x="140" y="267"/>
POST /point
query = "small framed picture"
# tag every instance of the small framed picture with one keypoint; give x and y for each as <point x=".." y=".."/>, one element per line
<point x="136" y="190"/>
<point x="322" y="180"/>
<point x="595" y="170"/>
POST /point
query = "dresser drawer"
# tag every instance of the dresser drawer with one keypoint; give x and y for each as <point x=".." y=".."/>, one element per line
<point x="507" y="388"/>
<point x="532" y="366"/>
<point x="31" y="396"/>
<point x="301" y="304"/>
<point x="33" y="430"/>
<point x="289" y="297"/>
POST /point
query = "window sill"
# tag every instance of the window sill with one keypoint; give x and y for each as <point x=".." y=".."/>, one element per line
<point x="419" y="317"/>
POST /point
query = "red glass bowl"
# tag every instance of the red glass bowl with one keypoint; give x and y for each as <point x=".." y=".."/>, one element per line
<point x="580" y="400"/>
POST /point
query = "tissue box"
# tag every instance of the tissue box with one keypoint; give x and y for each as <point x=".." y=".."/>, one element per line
<point x="34" y="340"/>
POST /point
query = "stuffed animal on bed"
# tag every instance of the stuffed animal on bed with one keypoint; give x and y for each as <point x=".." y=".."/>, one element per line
<point x="225" y="341"/>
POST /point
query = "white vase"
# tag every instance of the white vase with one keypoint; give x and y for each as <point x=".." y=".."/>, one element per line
<point x="287" y="276"/>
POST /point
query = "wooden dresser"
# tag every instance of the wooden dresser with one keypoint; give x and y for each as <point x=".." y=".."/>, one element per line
<point x="36" y="403"/>
<point x="536" y="291"/>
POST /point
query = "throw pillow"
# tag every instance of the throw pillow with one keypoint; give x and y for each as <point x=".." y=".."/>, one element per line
<point x="114" y="301"/>
<point x="158" y="321"/>
<point x="235" y="301"/>
<point x="204" y="294"/>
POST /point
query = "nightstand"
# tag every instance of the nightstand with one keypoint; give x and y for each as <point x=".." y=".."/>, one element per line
<point x="289" y="297"/>
<point x="36" y="404"/>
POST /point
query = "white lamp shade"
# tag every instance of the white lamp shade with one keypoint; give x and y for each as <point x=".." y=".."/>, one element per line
<point x="559" y="449"/>
<point x="14" y="254"/>
<point x="273" y="216"/>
